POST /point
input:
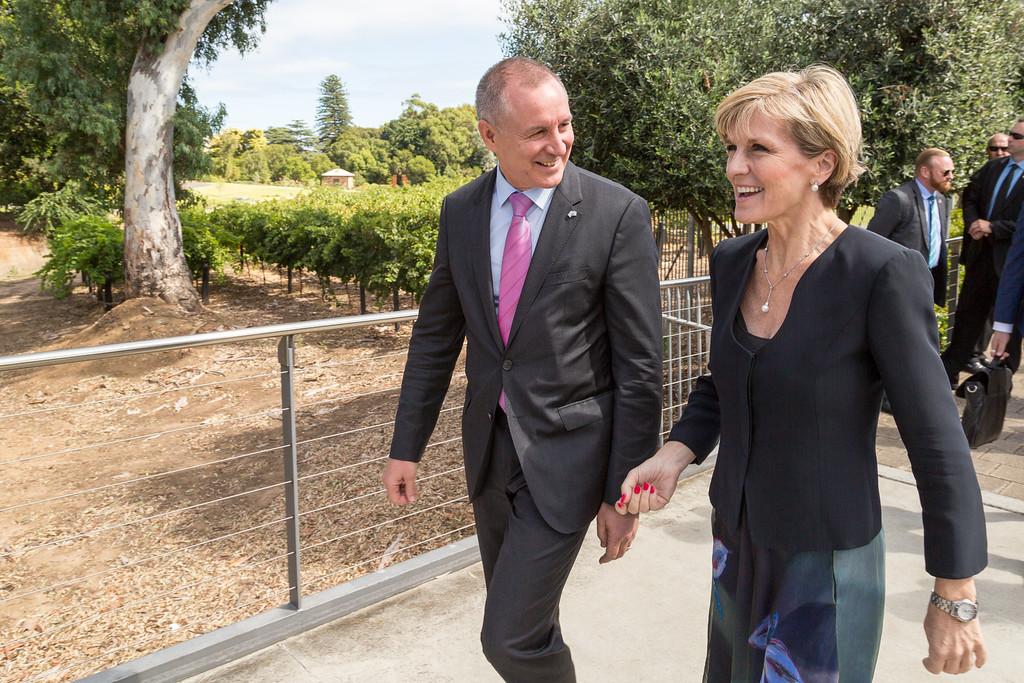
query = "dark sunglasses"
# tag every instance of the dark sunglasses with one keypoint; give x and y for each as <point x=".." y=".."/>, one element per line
<point x="947" y="174"/>
<point x="997" y="148"/>
<point x="1016" y="136"/>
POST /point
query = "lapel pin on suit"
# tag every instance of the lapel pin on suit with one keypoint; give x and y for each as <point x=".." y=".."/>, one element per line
<point x="572" y="214"/>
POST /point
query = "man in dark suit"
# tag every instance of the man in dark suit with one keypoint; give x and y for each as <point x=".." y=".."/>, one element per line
<point x="992" y="202"/>
<point x="550" y="272"/>
<point x="1009" y="312"/>
<point x="916" y="214"/>
<point x="998" y="146"/>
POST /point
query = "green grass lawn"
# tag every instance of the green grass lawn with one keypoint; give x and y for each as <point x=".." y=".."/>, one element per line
<point x="224" y="193"/>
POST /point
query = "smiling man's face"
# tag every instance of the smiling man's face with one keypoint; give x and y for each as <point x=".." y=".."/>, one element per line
<point x="533" y="136"/>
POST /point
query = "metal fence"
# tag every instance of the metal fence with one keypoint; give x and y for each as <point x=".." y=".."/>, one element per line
<point x="155" y="492"/>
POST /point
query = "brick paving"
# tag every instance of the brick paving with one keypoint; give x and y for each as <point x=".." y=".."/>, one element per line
<point x="1000" y="464"/>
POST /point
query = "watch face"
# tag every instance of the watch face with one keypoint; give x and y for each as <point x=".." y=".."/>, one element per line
<point x="965" y="611"/>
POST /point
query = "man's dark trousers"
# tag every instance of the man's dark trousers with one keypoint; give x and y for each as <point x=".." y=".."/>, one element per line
<point x="532" y="562"/>
<point x="974" y="305"/>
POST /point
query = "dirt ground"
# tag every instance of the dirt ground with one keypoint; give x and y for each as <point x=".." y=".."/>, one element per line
<point x="141" y="498"/>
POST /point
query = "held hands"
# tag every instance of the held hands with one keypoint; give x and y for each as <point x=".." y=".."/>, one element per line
<point x="399" y="479"/>
<point x="650" y="485"/>
<point x="954" y="647"/>
<point x="616" y="532"/>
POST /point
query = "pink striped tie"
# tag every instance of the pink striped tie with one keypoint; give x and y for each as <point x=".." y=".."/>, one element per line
<point x="515" y="262"/>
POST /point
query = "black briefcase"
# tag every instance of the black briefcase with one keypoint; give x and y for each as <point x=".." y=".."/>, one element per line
<point x="986" y="392"/>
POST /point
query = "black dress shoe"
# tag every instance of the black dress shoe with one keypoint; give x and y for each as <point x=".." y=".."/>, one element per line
<point x="974" y="365"/>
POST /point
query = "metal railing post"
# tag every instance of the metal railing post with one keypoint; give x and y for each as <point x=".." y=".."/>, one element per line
<point x="286" y="358"/>
<point x="691" y="242"/>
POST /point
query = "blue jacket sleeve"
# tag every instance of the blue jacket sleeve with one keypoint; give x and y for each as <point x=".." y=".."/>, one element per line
<point x="1011" y="282"/>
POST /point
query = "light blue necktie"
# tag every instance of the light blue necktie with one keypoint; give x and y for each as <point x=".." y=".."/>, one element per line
<point x="1008" y="178"/>
<point x="934" y="238"/>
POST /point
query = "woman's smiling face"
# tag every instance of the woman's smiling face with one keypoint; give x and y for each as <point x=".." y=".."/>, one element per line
<point x="771" y="177"/>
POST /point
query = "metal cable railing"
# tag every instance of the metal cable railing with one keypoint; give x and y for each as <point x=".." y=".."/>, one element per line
<point x="181" y="542"/>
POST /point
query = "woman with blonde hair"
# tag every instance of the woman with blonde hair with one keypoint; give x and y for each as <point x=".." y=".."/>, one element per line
<point x="813" y="318"/>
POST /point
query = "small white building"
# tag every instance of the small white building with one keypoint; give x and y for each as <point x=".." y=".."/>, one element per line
<point x="338" y="177"/>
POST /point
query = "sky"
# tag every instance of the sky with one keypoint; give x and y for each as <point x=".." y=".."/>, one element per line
<point x="383" y="51"/>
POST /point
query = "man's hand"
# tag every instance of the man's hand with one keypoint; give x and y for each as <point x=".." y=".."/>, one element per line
<point x="980" y="229"/>
<point x="1000" y="340"/>
<point x="400" y="481"/>
<point x="650" y="485"/>
<point x="954" y="647"/>
<point x="616" y="532"/>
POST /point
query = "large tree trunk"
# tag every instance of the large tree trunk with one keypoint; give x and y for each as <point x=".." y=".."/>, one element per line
<point x="154" y="261"/>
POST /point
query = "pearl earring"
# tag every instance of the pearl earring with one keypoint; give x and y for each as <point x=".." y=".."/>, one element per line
<point x="814" y="186"/>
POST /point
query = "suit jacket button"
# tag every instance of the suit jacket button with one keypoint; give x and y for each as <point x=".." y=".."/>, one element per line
<point x="507" y="365"/>
<point x="490" y="416"/>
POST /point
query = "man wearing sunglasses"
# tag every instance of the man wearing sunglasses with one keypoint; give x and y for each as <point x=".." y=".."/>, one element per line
<point x="992" y="202"/>
<point x="999" y="146"/>
<point x="916" y="214"/>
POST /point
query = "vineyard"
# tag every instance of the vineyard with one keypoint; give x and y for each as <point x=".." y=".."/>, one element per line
<point x="382" y="239"/>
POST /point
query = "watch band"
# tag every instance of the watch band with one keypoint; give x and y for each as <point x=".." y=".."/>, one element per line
<point x="961" y="610"/>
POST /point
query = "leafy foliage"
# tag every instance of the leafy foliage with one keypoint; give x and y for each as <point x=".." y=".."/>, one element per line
<point x="50" y="210"/>
<point x="73" y="60"/>
<point x="644" y="77"/>
<point x="202" y="248"/>
<point x="90" y="245"/>
<point x="381" y="237"/>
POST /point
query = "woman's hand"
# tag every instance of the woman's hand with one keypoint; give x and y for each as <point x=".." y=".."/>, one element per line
<point x="954" y="647"/>
<point x="650" y="485"/>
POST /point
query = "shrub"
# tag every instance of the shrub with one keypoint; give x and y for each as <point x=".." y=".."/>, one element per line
<point x="90" y="245"/>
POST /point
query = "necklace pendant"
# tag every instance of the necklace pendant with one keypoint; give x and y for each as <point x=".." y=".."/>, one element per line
<point x="764" y="307"/>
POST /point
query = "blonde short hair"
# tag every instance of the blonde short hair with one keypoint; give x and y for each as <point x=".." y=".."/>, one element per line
<point x="818" y="108"/>
<point x="926" y="156"/>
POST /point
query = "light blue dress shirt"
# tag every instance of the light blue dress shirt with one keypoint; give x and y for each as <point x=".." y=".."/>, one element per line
<point x="501" y="219"/>
<point x="932" y="221"/>
<point x="1016" y="167"/>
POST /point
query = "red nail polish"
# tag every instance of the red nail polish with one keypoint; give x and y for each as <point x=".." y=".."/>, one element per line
<point x="623" y="499"/>
<point x="646" y="486"/>
<point x="636" y="489"/>
<point x="652" y="489"/>
<point x="619" y="504"/>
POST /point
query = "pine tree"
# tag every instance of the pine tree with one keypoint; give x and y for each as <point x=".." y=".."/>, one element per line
<point x="333" y="115"/>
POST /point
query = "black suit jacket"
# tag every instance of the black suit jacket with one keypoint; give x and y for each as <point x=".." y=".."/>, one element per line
<point x="798" y="419"/>
<point x="977" y="195"/>
<point x="900" y="216"/>
<point x="582" y="371"/>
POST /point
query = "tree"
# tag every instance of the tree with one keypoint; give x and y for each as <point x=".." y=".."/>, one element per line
<point x="252" y="139"/>
<point x="296" y="135"/>
<point x="447" y="137"/>
<point x="333" y="115"/>
<point x="97" y="57"/>
<point x="420" y="169"/>
<point x="363" y="152"/>
<point x="253" y="166"/>
<point x="224" y="150"/>
<point x="942" y="75"/>
<point x="279" y="135"/>
<point x="644" y="77"/>
<point x="23" y="140"/>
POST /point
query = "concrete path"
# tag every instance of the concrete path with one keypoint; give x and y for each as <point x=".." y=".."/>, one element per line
<point x="641" y="619"/>
<point x="1000" y="464"/>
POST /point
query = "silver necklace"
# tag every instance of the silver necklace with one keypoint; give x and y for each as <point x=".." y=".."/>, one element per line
<point x="772" y="285"/>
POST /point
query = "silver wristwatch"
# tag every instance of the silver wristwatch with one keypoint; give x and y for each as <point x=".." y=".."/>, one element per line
<point x="961" y="610"/>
